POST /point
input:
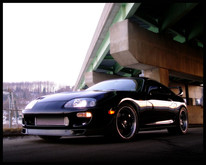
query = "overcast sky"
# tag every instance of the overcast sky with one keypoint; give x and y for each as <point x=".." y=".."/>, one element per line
<point x="47" y="41"/>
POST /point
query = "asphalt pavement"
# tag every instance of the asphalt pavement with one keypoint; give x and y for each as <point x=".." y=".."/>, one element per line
<point x="156" y="146"/>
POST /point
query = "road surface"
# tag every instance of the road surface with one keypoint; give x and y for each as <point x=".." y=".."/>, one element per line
<point x="148" y="146"/>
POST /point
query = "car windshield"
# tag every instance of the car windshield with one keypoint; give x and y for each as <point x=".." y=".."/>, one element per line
<point x="117" y="85"/>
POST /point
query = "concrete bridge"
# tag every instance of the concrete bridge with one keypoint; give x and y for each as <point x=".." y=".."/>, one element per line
<point x="160" y="41"/>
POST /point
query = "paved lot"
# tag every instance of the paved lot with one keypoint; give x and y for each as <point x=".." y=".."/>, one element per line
<point x="148" y="146"/>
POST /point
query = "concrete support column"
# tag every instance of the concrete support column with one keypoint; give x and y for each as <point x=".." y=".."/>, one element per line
<point x="159" y="74"/>
<point x="92" y="78"/>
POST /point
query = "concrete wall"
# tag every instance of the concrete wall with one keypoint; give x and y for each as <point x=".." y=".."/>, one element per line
<point x="194" y="91"/>
<point x="195" y="114"/>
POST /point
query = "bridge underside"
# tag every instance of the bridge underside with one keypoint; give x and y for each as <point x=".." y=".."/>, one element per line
<point x="165" y="43"/>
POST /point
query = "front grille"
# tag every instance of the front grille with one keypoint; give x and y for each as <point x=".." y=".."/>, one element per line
<point x="51" y="121"/>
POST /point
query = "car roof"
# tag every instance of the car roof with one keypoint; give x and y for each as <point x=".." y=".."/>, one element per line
<point x="136" y="78"/>
<point x="143" y="78"/>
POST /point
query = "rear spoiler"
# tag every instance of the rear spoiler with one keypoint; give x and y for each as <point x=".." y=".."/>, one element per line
<point x="180" y="90"/>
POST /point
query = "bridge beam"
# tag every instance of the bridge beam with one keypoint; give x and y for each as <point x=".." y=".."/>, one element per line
<point x="135" y="47"/>
<point x="92" y="78"/>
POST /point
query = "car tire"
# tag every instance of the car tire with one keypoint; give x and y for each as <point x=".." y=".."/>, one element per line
<point x="126" y="122"/>
<point x="182" y="123"/>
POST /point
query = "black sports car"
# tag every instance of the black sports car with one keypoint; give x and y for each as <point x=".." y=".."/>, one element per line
<point x="117" y="107"/>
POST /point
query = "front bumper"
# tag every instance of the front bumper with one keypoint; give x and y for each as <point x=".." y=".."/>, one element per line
<point x="52" y="124"/>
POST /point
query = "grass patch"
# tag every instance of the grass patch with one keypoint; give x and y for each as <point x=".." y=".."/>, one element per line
<point x="12" y="130"/>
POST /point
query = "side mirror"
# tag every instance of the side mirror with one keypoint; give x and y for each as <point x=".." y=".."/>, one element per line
<point x="180" y="92"/>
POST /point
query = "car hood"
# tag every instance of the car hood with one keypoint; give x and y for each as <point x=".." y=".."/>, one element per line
<point x="54" y="103"/>
<point x="65" y="96"/>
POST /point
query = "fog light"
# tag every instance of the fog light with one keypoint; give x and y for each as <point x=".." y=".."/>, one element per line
<point x="66" y="121"/>
<point x="84" y="114"/>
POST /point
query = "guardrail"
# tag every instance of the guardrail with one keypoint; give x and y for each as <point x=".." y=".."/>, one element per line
<point x="12" y="118"/>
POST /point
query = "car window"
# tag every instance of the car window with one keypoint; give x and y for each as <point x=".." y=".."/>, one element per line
<point x="151" y="87"/>
<point x="117" y="85"/>
<point x="164" y="91"/>
<point x="157" y="91"/>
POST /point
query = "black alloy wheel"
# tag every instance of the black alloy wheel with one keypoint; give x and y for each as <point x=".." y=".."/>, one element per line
<point x="126" y="122"/>
<point x="183" y="121"/>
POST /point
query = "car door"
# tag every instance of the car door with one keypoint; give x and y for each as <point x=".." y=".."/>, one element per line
<point x="159" y="100"/>
<point x="169" y="112"/>
<point x="151" y="98"/>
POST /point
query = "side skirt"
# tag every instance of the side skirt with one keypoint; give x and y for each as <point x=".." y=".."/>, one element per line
<point x="161" y="122"/>
<point x="158" y="125"/>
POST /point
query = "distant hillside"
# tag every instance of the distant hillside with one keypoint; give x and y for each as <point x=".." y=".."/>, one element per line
<point x="24" y="92"/>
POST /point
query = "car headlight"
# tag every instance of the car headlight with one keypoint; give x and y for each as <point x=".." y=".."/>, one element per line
<point x="80" y="103"/>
